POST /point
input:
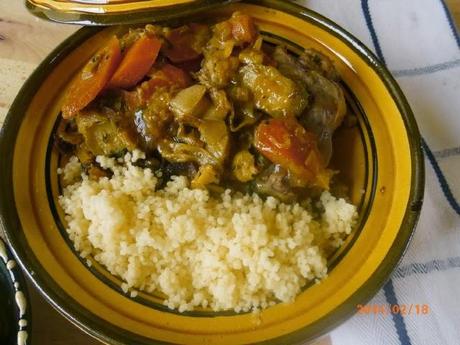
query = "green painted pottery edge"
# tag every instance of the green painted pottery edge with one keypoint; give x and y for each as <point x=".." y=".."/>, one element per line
<point x="131" y="17"/>
<point x="109" y="333"/>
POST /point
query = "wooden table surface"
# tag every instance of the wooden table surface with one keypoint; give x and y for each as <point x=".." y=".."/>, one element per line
<point x="24" y="42"/>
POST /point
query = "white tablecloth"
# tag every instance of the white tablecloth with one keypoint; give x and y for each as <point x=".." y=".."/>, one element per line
<point x="418" y="42"/>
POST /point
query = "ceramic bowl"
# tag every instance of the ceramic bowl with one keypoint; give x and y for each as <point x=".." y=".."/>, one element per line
<point x="380" y="159"/>
<point x="15" y="320"/>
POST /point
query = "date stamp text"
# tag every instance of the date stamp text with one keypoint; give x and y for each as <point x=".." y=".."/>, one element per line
<point x="388" y="309"/>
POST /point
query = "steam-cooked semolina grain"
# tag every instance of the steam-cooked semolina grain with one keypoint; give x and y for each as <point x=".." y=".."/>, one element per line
<point x="235" y="251"/>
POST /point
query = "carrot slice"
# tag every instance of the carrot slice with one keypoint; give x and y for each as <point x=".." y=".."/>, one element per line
<point x="92" y="78"/>
<point x="137" y="61"/>
<point x="287" y="143"/>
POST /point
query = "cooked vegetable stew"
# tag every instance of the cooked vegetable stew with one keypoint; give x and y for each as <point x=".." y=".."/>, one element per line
<point x="213" y="102"/>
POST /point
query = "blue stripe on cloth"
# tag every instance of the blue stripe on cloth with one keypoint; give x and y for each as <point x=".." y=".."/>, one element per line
<point x="398" y="320"/>
<point x="437" y="265"/>
<point x="451" y="22"/>
<point x="426" y="70"/>
<point x="442" y="180"/>
<point x="389" y="288"/>
<point x="370" y="26"/>
<point x="453" y="151"/>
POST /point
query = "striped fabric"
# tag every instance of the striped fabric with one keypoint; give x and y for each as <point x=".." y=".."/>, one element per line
<point x="418" y="42"/>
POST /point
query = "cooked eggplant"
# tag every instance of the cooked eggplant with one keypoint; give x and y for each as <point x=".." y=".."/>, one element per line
<point x="151" y="121"/>
<point x="314" y="60"/>
<point x="274" y="181"/>
<point x="327" y="105"/>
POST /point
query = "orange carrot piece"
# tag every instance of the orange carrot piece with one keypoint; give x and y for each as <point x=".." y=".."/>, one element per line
<point x="137" y="61"/>
<point x="287" y="143"/>
<point x="92" y="79"/>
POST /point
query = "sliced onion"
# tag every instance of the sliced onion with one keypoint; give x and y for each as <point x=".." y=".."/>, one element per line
<point x="188" y="101"/>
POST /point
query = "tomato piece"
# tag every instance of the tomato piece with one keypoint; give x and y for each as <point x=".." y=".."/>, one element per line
<point x="166" y="76"/>
<point x="186" y="43"/>
<point x="92" y="79"/>
<point x="181" y="54"/>
<point x="136" y="62"/>
<point x="287" y="143"/>
<point x="180" y="49"/>
<point x="243" y="28"/>
<point x="175" y="76"/>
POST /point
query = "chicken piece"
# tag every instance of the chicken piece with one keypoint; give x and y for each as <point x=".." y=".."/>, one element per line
<point x="272" y="92"/>
<point x="219" y="67"/>
<point x="218" y="72"/>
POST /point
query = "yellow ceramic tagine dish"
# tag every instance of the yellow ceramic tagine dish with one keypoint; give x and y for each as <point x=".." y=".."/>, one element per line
<point x="379" y="158"/>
